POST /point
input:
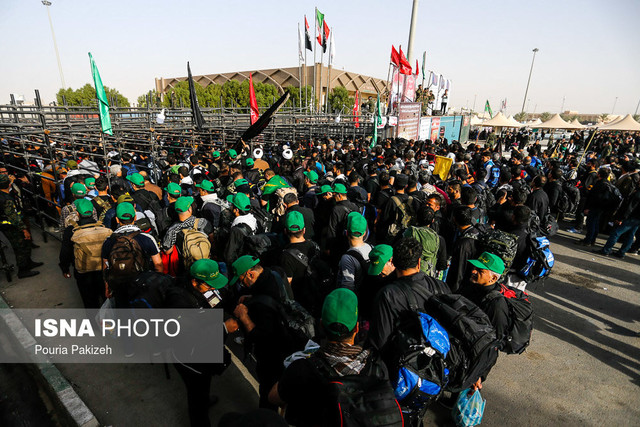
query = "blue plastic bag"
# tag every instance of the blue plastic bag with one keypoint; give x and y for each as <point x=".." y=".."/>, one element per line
<point x="468" y="410"/>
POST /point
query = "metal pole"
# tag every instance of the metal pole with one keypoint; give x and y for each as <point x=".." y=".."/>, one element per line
<point x="528" y="81"/>
<point x="299" y="72"/>
<point x="55" y="44"/>
<point x="562" y="108"/>
<point x="637" y="106"/>
<point x="329" y="64"/>
<point x="614" y="105"/>
<point x="315" y="38"/>
<point x="474" y="101"/>
<point x="414" y="21"/>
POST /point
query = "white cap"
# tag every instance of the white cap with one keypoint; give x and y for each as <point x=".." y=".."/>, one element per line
<point x="258" y="153"/>
<point x="287" y="154"/>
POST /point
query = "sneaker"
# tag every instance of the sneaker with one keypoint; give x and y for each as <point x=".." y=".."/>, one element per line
<point x="618" y="255"/>
<point x="27" y="273"/>
<point x="601" y="252"/>
<point x="34" y="264"/>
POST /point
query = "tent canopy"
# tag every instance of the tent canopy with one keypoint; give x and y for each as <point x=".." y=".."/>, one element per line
<point x="500" y="121"/>
<point x="555" y="122"/>
<point x="627" y="123"/>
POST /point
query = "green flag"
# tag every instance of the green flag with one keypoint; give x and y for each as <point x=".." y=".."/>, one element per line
<point x="103" y="103"/>
<point x="376" y="121"/>
<point x="319" y="19"/>
<point x="487" y="108"/>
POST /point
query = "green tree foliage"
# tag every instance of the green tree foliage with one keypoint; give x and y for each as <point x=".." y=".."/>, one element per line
<point x="86" y="95"/>
<point x="521" y="117"/>
<point x="154" y="99"/>
<point x="339" y="99"/>
<point x="294" y="99"/>
<point x="604" y="117"/>
<point x="636" y="117"/>
<point x="545" y="116"/>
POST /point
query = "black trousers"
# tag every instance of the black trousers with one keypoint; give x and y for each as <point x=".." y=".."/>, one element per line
<point x="91" y="288"/>
<point x="198" y="387"/>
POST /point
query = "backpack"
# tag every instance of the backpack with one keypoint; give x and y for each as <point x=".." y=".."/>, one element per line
<point x="265" y="246"/>
<point x="405" y="218"/>
<point x="474" y="345"/>
<point x="540" y="260"/>
<point x="195" y="244"/>
<point x="317" y="283"/>
<point x="264" y="219"/>
<point x="430" y="242"/>
<point x="612" y="198"/>
<point x="126" y="258"/>
<point x="280" y="208"/>
<point x="570" y="198"/>
<point x="520" y="318"/>
<point x="364" y="267"/>
<point x="416" y="355"/>
<point x="103" y="204"/>
<point x="498" y="242"/>
<point x="87" y="246"/>
<point x="146" y="201"/>
<point x="366" y="399"/>
<point x="145" y="225"/>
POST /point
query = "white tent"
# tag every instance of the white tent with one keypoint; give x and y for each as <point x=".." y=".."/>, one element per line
<point x="577" y="124"/>
<point x="555" y="122"/>
<point x="475" y="121"/>
<point x="627" y="123"/>
<point x="515" y="122"/>
<point x="500" y="121"/>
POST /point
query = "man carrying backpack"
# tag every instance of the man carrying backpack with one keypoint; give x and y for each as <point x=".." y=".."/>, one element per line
<point x="434" y="251"/>
<point x="354" y="263"/>
<point x="81" y="246"/>
<point x="127" y="252"/>
<point x="398" y="212"/>
<point x="324" y="388"/>
<point x="244" y="224"/>
<point x="336" y="243"/>
<point x="464" y="248"/>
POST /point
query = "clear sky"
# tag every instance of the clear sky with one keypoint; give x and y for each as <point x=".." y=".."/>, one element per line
<point x="589" y="49"/>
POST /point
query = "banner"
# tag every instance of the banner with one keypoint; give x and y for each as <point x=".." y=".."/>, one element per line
<point x="396" y="87"/>
<point x="409" y="93"/>
<point x="356" y="110"/>
<point x="442" y="167"/>
<point x="408" y="120"/>
<point x="435" y="126"/>
<point x="103" y="102"/>
<point x="425" y="128"/>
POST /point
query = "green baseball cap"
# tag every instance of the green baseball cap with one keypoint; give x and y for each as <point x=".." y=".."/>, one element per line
<point x="174" y="169"/>
<point x="241" y="181"/>
<point x="356" y="224"/>
<point x="125" y="198"/>
<point x="207" y="271"/>
<point x="339" y="188"/>
<point x="240" y="201"/>
<point x="312" y="175"/>
<point x="78" y="189"/>
<point x="206" y="185"/>
<point x="72" y="164"/>
<point x="488" y="261"/>
<point x="90" y="182"/>
<point x="340" y="312"/>
<point x="84" y="207"/>
<point x="136" y="179"/>
<point x="233" y="154"/>
<point x="378" y="257"/>
<point x="241" y="266"/>
<point x="249" y="162"/>
<point x="294" y="221"/>
<point x="215" y="154"/>
<point x="324" y="189"/>
<point x="125" y="211"/>
<point x="183" y="204"/>
<point x="173" y="189"/>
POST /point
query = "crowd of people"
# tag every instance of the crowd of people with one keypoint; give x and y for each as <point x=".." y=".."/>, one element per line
<point x="351" y="237"/>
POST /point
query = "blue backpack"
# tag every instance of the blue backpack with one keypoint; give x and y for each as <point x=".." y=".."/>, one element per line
<point x="540" y="260"/>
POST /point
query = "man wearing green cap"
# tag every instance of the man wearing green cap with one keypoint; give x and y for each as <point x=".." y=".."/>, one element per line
<point x="69" y="214"/>
<point x="244" y="224"/>
<point x="14" y="228"/>
<point x="146" y="200"/>
<point x="354" y="263"/>
<point x="211" y="208"/>
<point x="380" y="273"/>
<point x="336" y="228"/>
<point x="258" y="315"/>
<point x="309" y="199"/>
<point x="81" y="246"/>
<point x="103" y="201"/>
<point x="485" y="276"/>
<point x="303" y="386"/>
<point x="251" y="172"/>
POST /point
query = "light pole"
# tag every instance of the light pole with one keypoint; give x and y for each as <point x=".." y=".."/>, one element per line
<point x="528" y="81"/>
<point x="562" y="108"/>
<point x="474" y="101"/>
<point x="55" y="45"/>
<point x="414" y="21"/>
<point x="614" y="105"/>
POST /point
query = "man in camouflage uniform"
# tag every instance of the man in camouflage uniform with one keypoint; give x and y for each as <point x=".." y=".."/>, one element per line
<point x="14" y="228"/>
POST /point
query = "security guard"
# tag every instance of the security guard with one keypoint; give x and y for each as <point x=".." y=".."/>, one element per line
<point x="14" y="228"/>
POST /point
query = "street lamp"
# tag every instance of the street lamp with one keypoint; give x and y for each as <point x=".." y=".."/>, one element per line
<point x="528" y="81"/>
<point x="55" y="45"/>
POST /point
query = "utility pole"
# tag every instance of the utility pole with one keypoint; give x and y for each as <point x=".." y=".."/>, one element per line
<point x="55" y="44"/>
<point x="528" y="81"/>
<point x="562" y="108"/>
<point x="414" y="21"/>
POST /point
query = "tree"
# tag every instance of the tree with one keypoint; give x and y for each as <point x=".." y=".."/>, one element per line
<point x="522" y="116"/>
<point x="294" y="100"/>
<point x="636" y="117"/>
<point x="545" y="116"/>
<point x="603" y="117"/>
<point x="86" y="95"/>
<point x="152" y="95"/>
<point x="339" y="99"/>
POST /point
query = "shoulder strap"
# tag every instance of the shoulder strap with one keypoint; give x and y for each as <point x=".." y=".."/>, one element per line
<point x="298" y="255"/>
<point x="195" y="224"/>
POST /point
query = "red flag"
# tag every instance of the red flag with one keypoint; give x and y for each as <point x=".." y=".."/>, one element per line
<point x="253" y="103"/>
<point x="417" y="68"/>
<point x="405" y="67"/>
<point x="395" y="58"/>
<point x="307" y="38"/>
<point x="356" y="110"/>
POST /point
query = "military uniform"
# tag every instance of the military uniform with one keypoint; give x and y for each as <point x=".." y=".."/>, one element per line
<point x="13" y="227"/>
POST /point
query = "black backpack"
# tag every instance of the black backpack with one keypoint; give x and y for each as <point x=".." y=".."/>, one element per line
<point x="364" y="400"/>
<point x="520" y="318"/>
<point x="126" y="259"/>
<point x="498" y="242"/>
<point x="416" y="356"/>
<point x="612" y="198"/>
<point x="474" y="346"/>
<point x="264" y="219"/>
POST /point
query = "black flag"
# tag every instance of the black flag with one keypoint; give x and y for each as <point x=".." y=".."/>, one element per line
<point x="198" y="120"/>
<point x="262" y="122"/>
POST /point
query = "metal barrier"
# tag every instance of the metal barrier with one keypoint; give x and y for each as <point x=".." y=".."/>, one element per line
<point x="36" y="140"/>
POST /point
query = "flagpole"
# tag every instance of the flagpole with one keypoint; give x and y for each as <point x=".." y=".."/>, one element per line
<point x="315" y="38"/>
<point x="320" y="79"/>
<point x="306" y="78"/>
<point x="329" y="63"/>
<point x="388" y="89"/>
<point x="300" y="42"/>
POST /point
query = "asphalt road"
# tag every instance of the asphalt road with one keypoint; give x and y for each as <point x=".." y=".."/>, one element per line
<point x="582" y="367"/>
